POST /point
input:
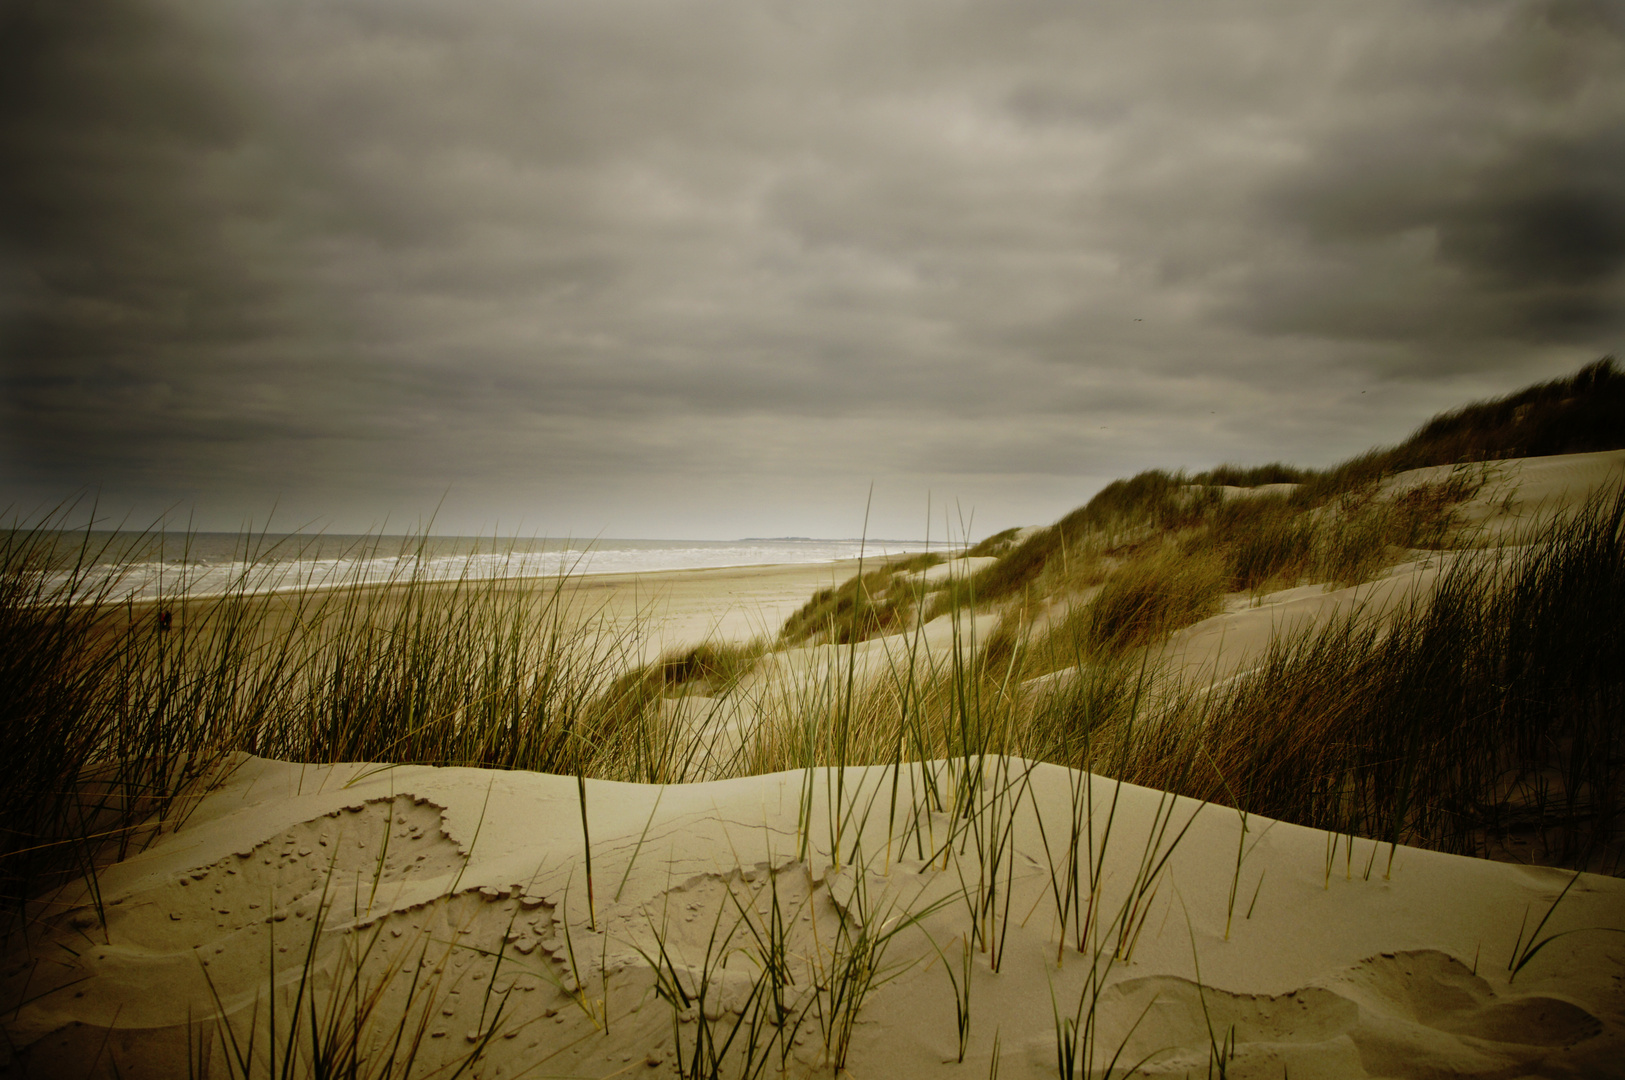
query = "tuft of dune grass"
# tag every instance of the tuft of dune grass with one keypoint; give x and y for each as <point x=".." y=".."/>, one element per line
<point x="1154" y="594"/>
<point x="997" y="544"/>
<point x="872" y="602"/>
<point x="1265" y="541"/>
<point x="1580" y="413"/>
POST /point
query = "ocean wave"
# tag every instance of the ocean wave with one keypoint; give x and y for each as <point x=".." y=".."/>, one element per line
<point x="204" y="569"/>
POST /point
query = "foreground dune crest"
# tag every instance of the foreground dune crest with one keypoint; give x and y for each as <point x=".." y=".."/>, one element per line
<point x="881" y="920"/>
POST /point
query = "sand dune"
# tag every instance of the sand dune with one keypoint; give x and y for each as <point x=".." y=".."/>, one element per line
<point x="474" y="885"/>
<point x="941" y="919"/>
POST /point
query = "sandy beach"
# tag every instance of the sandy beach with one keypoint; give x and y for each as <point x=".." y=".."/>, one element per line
<point x="677" y="608"/>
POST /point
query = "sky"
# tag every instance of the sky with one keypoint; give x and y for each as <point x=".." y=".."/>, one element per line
<point x="720" y="268"/>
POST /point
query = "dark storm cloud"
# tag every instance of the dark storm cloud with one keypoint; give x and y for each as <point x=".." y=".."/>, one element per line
<point x="1530" y="245"/>
<point x="1477" y="200"/>
<point x="576" y="258"/>
<point x="1554" y="216"/>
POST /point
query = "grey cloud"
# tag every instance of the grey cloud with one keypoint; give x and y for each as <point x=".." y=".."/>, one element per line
<point x="1493" y="211"/>
<point x="544" y="251"/>
<point x="1551" y="215"/>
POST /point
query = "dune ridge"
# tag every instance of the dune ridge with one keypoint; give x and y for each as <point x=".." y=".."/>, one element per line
<point x="1320" y="962"/>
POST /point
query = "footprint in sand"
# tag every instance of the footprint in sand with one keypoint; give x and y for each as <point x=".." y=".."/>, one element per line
<point x="217" y="936"/>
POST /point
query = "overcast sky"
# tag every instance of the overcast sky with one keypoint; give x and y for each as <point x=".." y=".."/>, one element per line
<point x="708" y="268"/>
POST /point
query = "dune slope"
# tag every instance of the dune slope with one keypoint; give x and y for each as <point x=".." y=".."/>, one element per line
<point x="803" y="918"/>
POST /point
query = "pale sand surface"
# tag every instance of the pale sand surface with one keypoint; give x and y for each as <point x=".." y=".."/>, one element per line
<point x="481" y="885"/>
<point x="1525" y="493"/>
<point x="953" y="568"/>
<point x="680" y="608"/>
<point x="1261" y="491"/>
<point x="674" y="609"/>
<point x="1224" y="645"/>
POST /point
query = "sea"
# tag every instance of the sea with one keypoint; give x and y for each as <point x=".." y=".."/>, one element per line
<point x="144" y="566"/>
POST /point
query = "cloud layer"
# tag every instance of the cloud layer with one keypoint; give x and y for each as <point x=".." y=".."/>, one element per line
<point x="709" y="267"/>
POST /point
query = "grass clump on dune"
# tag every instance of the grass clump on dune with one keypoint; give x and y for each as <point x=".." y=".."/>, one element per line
<point x="1159" y="591"/>
<point x="997" y="544"/>
<point x="869" y="603"/>
<point x="1135" y="592"/>
<point x="1254" y="476"/>
<point x="709" y="667"/>
<point x="1123" y="512"/>
<point x="59" y="715"/>
<point x="1484" y="718"/>
<point x="1581" y="413"/>
<point x="1338" y="525"/>
<point x="1264" y="541"/>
